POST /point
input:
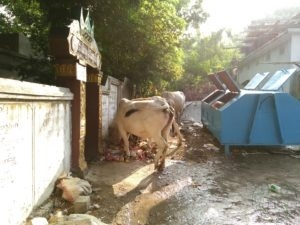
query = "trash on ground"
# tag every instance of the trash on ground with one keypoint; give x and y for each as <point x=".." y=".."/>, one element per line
<point x="73" y="187"/>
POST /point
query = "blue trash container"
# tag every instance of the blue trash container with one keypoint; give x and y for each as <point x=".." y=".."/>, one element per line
<point x="259" y="114"/>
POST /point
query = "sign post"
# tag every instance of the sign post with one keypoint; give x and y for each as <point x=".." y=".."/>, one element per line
<point x="75" y="55"/>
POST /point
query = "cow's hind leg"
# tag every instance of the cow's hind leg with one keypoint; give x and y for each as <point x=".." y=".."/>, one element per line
<point x="162" y="142"/>
<point x="177" y="132"/>
<point x="162" y="160"/>
<point x="162" y="147"/>
<point x="125" y="138"/>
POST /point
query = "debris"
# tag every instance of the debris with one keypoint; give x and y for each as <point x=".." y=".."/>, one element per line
<point x="57" y="217"/>
<point x="275" y="188"/>
<point x="140" y="154"/>
<point x="133" y="154"/>
<point x="73" y="187"/>
<point x="196" y="185"/>
<point x="96" y="206"/>
<point x="211" y="147"/>
<point x="145" y="145"/>
<point x="196" y="124"/>
<point x="112" y="156"/>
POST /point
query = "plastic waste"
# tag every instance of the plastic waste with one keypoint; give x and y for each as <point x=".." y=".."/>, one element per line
<point x="275" y="188"/>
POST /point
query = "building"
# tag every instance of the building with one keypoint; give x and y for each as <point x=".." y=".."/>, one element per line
<point x="268" y="48"/>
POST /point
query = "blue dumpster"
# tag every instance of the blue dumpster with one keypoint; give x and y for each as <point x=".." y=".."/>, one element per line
<point x="259" y="114"/>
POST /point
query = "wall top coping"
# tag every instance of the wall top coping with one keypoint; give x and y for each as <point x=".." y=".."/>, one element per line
<point x="15" y="89"/>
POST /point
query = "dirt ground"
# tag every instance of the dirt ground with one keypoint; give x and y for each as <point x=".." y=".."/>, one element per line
<point x="200" y="186"/>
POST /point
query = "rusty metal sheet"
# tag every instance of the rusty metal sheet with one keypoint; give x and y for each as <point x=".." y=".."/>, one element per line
<point x="216" y="82"/>
<point x="226" y="79"/>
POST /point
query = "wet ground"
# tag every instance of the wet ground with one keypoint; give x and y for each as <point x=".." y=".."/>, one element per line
<point x="200" y="186"/>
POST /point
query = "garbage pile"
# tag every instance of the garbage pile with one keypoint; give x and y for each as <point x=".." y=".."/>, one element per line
<point x="145" y="150"/>
<point x="68" y="204"/>
<point x="139" y="150"/>
<point x="73" y="187"/>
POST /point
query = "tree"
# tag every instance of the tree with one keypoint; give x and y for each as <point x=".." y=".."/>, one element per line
<point x="143" y="40"/>
<point x="137" y="39"/>
<point x="204" y="56"/>
<point x="27" y="17"/>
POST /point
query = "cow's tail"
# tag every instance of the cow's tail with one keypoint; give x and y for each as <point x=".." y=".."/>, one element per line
<point x="170" y="110"/>
<point x="171" y="113"/>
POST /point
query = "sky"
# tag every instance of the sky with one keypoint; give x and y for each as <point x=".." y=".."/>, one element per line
<point x="238" y="14"/>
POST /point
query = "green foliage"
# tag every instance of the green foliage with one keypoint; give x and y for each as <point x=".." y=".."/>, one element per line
<point x="192" y="13"/>
<point x="33" y="68"/>
<point x="162" y="28"/>
<point x="204" y="56"/>
<point x="27" y="17"/>
<point x="60" y="14"/>
<point x="143" y="40"/>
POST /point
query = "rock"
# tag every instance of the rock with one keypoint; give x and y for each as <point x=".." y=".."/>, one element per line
<point x="76" y="222"/>
<point x="92" y="219"/>
<point x="82" y="204"/>
<point x="57" y="217"/>
<point x="196" y="124"/>
<point x="96" y="206"/>
<point x="78" y="219"/>
<point x="38" y="221"/>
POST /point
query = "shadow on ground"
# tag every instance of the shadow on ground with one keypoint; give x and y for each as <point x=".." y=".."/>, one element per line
<point x="200" y="186"/>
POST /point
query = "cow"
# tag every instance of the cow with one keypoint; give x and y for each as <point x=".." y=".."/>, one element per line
<point x="176" y="99"/>
<point x="146" y="118"/>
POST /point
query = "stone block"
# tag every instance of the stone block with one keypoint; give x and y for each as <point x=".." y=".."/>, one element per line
<point x="75" y="222"/>
<point x="82" y="204"/>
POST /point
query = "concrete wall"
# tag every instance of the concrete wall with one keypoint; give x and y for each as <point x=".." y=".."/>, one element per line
<point x="111" y="94"/>
<point x="295" y="47"/>
<point x="35" y="145"/>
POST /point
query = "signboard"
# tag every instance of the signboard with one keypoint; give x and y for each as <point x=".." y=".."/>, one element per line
<point x="82" y="44"/>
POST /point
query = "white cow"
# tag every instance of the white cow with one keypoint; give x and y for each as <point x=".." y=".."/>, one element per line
<point x="146" y="118"/>
<point x="176" y="99"/>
